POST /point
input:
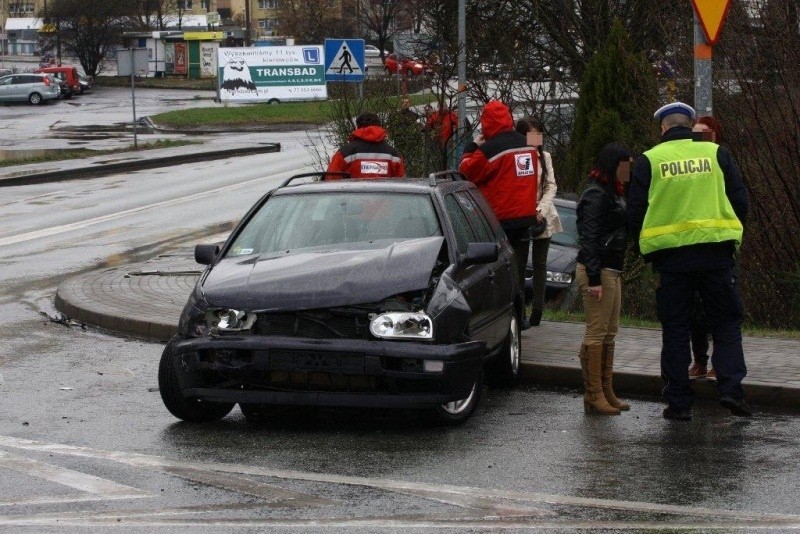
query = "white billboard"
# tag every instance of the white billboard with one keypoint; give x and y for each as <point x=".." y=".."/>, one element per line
<point x="269" y="73"/>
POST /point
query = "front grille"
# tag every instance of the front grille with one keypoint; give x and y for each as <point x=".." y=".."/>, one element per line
<point x="298" y="370"/>
<point x="333" y="324"/>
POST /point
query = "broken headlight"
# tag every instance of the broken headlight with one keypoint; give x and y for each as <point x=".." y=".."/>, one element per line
<point x="228" y="320"/>
<point x="402" y="325"/>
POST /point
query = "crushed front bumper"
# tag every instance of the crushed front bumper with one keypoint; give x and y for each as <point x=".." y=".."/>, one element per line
<point x="337" y="372"/>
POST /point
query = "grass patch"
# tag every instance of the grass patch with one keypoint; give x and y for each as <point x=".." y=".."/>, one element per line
<point x="311" y="113"/>
<point x="169" y="82"/>
<point x="80" y="153"/>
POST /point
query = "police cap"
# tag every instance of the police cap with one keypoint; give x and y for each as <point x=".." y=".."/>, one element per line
<point x="674" y="107"/>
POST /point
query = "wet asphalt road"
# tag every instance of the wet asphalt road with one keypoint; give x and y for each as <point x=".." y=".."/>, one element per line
<point x="86" y="445"/>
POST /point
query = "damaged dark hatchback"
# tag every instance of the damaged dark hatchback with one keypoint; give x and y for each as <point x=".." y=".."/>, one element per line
<point x="362" y="293"/>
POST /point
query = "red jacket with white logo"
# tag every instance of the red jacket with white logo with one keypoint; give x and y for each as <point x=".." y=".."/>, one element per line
<point x="367" y="155"/>
<point x="504" y="167"/>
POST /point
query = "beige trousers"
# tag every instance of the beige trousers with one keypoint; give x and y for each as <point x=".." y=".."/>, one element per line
<point x="602" y="317"/>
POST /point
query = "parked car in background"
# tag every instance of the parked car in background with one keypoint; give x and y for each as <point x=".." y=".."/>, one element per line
<point x="406" y="65"/>
<point x="86" y="81"/>
<point x="392" y="293"/>
<point x="562" y="256"/>
<point x="47" y="60"/>
<point x="371" y="52"/>
<point x="67" y="74"/>
<point x="5" y="72"/>
<point x="29" y="87"/>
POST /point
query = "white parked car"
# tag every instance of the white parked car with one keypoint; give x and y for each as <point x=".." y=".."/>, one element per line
<point x="371" y="51"/>
<point x="28" y="87"/>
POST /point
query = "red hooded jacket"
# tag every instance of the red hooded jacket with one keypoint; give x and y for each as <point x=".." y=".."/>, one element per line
<point x="368" y="155"/>
<point x="504" y="168"/>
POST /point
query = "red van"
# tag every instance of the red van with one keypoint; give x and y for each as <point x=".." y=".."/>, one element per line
<point x="66" y="73"/>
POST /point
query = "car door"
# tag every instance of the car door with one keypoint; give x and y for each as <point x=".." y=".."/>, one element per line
<point x="501" y="271"/>
<point x="475" y="281"/>
<point x="505" y="272"/>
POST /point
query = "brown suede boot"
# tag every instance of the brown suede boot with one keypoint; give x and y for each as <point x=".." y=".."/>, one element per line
<point x="607" y="380"/>
<point x="594" y="401"/>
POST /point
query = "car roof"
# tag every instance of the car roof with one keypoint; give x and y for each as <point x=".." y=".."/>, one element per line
<point x="446" y="181"/>
<point x="391" y="185"/>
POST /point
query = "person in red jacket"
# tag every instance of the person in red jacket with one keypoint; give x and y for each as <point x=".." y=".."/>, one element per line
<point x="367" y="153"/>
<point x="505" y="169"/>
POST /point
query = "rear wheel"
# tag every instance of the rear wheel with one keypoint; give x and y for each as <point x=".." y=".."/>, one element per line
<point x="35" y="99"/>
<point x="186" y="408"/>
<point x="458" y="411"/>
<point x="503" y="371"/>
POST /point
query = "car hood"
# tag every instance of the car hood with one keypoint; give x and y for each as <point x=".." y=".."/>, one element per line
<point x="314" y="280"/>
<point x="561" y="258"/>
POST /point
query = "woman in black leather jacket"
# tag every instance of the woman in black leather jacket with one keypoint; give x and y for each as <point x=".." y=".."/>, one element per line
<point x="603" y="241"/>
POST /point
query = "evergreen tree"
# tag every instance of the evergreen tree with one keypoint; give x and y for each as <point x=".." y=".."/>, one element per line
<point x="617" y="98"/>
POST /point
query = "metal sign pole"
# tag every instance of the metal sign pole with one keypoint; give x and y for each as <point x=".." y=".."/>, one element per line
<point x="702" y="71"/>
<point x="133" y="98"/>
<point x="462" y="82"/>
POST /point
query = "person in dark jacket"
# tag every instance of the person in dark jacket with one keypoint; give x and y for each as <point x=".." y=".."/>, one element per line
<point x="505" y="169"/>
<point x="367" y="153"/>
<point x="602" y="240"/>
<point x="686" y="207"/>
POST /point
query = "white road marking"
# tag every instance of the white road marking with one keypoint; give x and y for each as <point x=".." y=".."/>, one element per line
<point x="458" y="495"/>
<point x="96" y="486"/>
<point x="55" y="230"/>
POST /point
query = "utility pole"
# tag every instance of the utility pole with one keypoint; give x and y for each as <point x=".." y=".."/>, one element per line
<point x="247" y="22"/>
<point x="462" y="78"/>
<point x="3" y="37"/>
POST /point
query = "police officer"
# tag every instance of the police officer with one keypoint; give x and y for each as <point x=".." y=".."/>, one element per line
<point x="687" y="203"/>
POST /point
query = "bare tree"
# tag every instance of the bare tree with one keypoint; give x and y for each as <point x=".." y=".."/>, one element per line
<point x="757" y="100"/>
<point x="88" y="29"/>
<point x="379" y="17"/>
<point x="311" y="22"/>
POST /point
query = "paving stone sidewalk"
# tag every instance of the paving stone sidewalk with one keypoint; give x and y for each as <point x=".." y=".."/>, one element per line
<point x="146" y="300"/>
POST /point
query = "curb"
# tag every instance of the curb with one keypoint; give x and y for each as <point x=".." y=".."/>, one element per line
<point x="135" y="165"/>
<point x="759" y="394"/>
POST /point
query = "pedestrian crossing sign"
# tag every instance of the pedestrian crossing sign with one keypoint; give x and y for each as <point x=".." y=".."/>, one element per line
<point x="344" y="60"/>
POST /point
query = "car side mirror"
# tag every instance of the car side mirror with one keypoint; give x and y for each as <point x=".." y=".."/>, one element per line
<point x="205" y="254"/>
<point x="480" y="253"/>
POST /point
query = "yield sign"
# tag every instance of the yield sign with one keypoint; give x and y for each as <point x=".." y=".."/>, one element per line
<point x="711" y="14"/>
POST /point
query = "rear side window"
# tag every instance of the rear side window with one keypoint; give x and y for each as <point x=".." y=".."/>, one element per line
<point x="475" y="217"/>
<point x="461" y="228"/>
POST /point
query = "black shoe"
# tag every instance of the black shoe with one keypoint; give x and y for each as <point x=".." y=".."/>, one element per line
<point x="671" y="412"/>
<point x="738" y="407"/>
<point x="524" y="324"/>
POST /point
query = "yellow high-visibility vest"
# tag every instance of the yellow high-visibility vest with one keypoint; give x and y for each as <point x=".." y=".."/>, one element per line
<point x="687" y="204"/>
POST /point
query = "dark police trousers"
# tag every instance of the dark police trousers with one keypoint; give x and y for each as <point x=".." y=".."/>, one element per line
<point x="723" y="308"/>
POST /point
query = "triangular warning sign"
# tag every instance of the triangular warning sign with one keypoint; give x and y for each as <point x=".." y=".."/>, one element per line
<point x="344" y="62"/>
<point x="711" y="14"/>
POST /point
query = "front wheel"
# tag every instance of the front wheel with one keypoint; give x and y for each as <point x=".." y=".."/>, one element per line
<point x="456" y="412"/>
<point x="35" y="99"/>
<point x="503" y="371"/>
<point x="188" y="409"/>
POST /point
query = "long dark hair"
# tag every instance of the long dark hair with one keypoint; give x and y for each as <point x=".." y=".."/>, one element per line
<point x="604" y="170"/>
<point x="524" y="126"/>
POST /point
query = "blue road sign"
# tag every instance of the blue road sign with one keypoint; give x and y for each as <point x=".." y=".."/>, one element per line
<point x="344" y="60"/>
